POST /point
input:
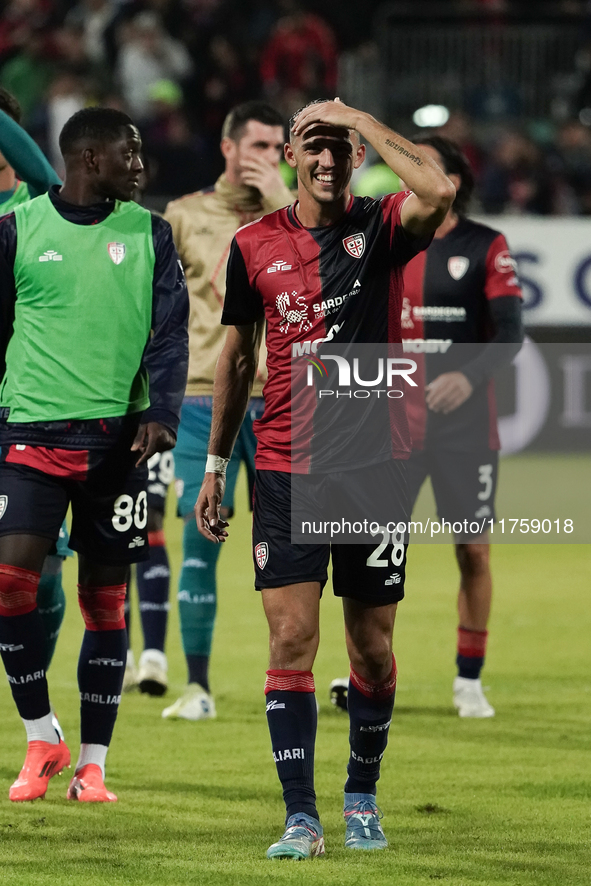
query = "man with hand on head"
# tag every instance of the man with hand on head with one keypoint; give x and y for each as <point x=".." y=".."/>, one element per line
<point x="203" y="225"/>
<point x="329" y="243"/>
<point x="94" y="316"/>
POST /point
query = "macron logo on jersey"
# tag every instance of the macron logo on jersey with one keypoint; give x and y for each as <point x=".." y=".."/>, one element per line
<point x="51" y="255"/>
<point x="278" y="266"/>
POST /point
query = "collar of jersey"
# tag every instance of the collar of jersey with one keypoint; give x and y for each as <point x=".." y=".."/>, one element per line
<point x="291" y="214"/>
<point x="88" y="216"/>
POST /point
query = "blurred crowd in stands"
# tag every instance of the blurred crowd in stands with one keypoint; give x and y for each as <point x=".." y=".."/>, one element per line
<point x="178" y="66"/>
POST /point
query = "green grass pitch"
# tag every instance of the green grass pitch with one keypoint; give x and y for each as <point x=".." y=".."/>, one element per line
<point x="469" y="803"/>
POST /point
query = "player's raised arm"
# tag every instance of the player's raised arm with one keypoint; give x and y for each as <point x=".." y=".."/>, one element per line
<point x="433" y="192"/>
<point x="234" y="376"/>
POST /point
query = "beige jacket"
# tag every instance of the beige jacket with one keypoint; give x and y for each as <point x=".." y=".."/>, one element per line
<point x="203" y="225"/>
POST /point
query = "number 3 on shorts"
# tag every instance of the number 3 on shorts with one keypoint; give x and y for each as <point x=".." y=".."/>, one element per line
<point x="485" y="477"/>
<point x="125" y="514"/>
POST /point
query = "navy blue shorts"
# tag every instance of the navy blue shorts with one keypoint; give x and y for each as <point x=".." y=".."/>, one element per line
<point x="464" y="483"/>
<point x="371" y="572"/>
<point x="160" y="476"/>
<point x="106" y="491"/>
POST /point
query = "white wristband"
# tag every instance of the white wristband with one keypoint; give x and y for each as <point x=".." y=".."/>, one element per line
<point x="215" y="464"/>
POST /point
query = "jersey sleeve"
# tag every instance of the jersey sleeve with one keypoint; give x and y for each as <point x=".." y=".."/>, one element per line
<point x="243" y="304"/>
<point x="505" y="343"/>
<point x="25" y="157"/>
<point x="175" y="219"/>
<point x="404" y="246"/>
<point x="167" y="353"/>
<point x="501" y="271"/>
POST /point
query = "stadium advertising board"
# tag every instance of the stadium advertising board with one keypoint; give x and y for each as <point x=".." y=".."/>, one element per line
<point x="554" y="264"/>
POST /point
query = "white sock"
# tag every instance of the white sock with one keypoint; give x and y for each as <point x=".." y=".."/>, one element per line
<point x="42" y="729"/>
<point x="92" y="753"/>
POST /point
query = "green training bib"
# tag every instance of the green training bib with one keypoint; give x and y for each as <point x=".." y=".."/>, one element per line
<point x="82" y="317"/>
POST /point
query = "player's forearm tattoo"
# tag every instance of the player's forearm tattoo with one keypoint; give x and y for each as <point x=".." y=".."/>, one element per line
<point x="412" y="157"/>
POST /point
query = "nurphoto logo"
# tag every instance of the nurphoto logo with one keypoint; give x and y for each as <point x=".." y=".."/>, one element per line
<point x="385" y="371"/>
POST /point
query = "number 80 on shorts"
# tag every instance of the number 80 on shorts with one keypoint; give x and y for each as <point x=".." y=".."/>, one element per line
<point x="127" y="513"/>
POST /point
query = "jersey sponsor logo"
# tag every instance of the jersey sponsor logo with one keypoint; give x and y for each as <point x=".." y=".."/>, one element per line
<point x="301" y="348"/>
<point x="355" y="245"/>
<point x="275" y="705"/>
<point x="10" y="647"/>
<point x="116" y="252"/>
<point x="330" y="305"/>
<point x="457" y="266"/>
<point x="278" y="266"/>
<point x="136" y="542"/>
<point x="109" y="662"/>
<point x="484" y="511"/>
<point x="51" y="255"/>
<point x="426" y="345"/>
<point x="261" y="554"/>
<point x="3" y="505"/>
<point x="179" y="488"/>
<point x="293" y="310"/>
<point x="394" y="579"/>
<point x="505" y="263"/>
<point x="444" y="313"/>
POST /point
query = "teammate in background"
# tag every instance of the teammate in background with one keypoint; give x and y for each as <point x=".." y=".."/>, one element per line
<point x="35" y="177"/>
<point x="203" y="225"/>
<point x="153" y="584"/>
<point x="468" y="269"/>
<point x="85" y="266"/>
<point x="329" y="244"/>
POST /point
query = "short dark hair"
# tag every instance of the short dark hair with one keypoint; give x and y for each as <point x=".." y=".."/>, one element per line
<point x="93" y="124"/>
<point x="9" y="105"/>
<point x="456" y="163"/>
<point x="236" y="121"/>
<point x="315" y="101"/>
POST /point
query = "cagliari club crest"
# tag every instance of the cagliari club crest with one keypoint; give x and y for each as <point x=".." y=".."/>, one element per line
<point x="457" y="266"/>
<point x="355" y="245"/>
<point x="116" y="252"/>
<point x="261" y="553"/>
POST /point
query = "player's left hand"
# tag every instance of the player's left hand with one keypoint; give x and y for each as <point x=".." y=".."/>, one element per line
<point x="151" y="438"/>
<point x="335" y="113"/>
<point x="264" y="176"/>
<point x="448" y="391"/>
